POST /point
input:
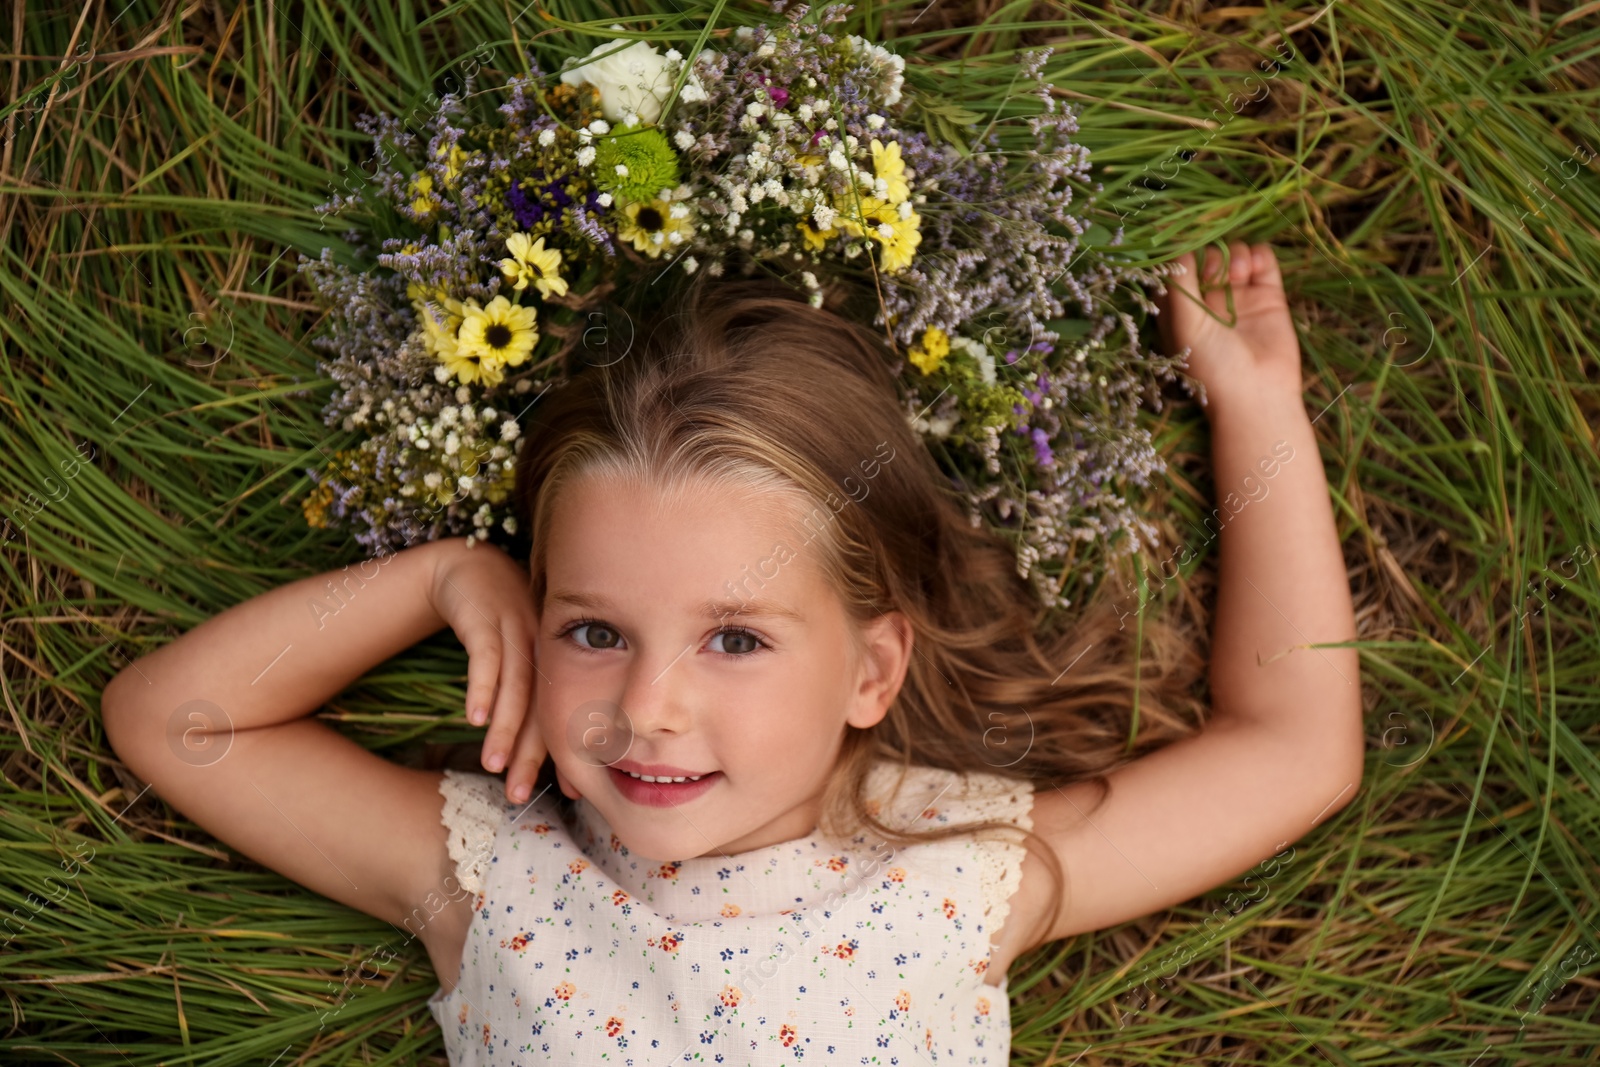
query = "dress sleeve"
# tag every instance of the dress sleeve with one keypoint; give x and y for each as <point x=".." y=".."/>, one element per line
<point x="993" y="796"/>
<point x="473" y="811"/>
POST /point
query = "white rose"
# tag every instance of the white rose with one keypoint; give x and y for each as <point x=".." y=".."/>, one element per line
<point x="636" y="79"/>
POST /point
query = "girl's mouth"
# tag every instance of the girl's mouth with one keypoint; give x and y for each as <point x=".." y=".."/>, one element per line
<point x="663" y="792"/>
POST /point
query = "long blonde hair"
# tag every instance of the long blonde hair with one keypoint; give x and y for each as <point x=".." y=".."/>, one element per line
<point x="749" y="384"/>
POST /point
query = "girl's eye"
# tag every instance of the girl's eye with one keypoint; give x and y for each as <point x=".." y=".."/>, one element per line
<point x="597" y="636"/>
<point x="742" y="642"/>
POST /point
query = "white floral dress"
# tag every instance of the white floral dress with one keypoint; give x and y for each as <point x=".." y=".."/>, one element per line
<point x="582" y="952"/>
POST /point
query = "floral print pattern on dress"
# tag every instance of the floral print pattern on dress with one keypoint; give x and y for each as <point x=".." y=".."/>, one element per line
<point x="833" y="952"/>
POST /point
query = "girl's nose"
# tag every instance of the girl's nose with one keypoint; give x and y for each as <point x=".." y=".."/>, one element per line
<point x="655" y="698"/>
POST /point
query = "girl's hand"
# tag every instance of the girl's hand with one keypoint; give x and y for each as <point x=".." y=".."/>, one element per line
<point x="1258" y="357"/>
<point x="483" y="594"/>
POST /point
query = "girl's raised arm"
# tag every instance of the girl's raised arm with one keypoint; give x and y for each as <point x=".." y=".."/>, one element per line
<point x="216" y="722"/>
<point x="1284" y="747"/>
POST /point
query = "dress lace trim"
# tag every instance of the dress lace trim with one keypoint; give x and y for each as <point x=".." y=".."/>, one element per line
<point x="473" y="811"/>
<point x="947" y="797"/>
<point x="992" y="796"/>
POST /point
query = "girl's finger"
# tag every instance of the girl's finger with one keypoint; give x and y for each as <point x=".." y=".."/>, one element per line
<point x="1241" y="263"/>
<point x="1266" y="264"/>
<point x="483" y="669"/>
<point x="527" y="756"/>
<point x="512" y="704"/>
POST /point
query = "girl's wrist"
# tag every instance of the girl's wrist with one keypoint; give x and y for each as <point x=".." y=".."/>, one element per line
<point x="1253" y="401"/>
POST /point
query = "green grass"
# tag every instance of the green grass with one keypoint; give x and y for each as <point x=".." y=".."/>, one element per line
<point x="1417" y="163"/>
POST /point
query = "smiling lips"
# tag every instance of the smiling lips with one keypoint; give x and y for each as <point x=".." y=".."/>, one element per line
<point x="659" y="785"/>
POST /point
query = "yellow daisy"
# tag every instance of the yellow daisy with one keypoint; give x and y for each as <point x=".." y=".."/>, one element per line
<point x="651" y="226"/>
<point x="901" y="245"/>
<point x="815" y="240"/>
<point x="503" y="332"/>
<point x="929" y="353"/>
<point x="903" y="236"/>
<point x="886" y="164"/>
<point x="441" y="317"/>
<point x="531" y="261"/>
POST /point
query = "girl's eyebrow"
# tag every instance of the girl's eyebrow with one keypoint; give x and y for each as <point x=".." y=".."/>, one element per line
<point x="711" y="609"/>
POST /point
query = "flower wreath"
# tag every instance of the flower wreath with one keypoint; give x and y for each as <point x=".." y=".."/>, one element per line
<point x="786" y="148"/>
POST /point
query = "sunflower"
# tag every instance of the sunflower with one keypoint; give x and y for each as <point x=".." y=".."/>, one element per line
<point x="655" y="225"/>
<point x="531" y="261"/>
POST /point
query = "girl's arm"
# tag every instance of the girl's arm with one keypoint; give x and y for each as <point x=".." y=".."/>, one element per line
<point x="1284" y="747"/>
<point x="216" y="721"/>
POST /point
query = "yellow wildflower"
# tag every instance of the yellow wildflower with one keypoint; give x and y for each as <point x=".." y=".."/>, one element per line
<point x="422" y="191"/>
<point x="502" y="332"/>
<point x="815" y="240"/>
<point x="901" y="239"/>
<point x="453" y="161"/>
<point x="531" y="261"/>
<point x="653" y="228"/>
<point x="929" y="353"/>
<point x="901" y="245"/>
<point x="886" y="164"/>
<point x="441" y="317"/>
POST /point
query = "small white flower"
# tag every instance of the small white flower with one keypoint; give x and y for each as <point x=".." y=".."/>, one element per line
<point x="604" y="200"/>
<point x="805" y="112"/>
<point x="547" y="138"/>
<point x="441" y="374"/>
<point x="432" y="479"/>
<point x="903" y="209"/>
<point x="822" y="216"/>
<point x="767" y="48"/>
<point x="585" y="155"/>
<point x="510" y="524"/>
<point x="452" y="444"/>
<point x="885" y="230"/>
<point x="875" y="121"/>
<point x="674" y="55"/>
<point x="509" y="430"/>
<point x="599" y="126"/>
<point x="465" y="483"/>
<point x="756" y="109"/>
<point x="678" y="211"/>
<point x="463" y="394"/>
<point x="630" y="117"/>
<point x="689" y="264"/>
<point x="837" y="160"/>
<point x="692" y="93"/>
<point x="423" y="442"/>
<point x="622" y="170"/>
<point x="809" y="279"/>
<point x="744" y="33"/>
<point x="683" y="139"/>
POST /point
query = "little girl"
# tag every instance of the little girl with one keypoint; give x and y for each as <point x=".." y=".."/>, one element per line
<point x="815" y="779"/>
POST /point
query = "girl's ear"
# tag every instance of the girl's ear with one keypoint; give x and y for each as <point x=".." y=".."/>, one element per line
<point x="886" y="644"/>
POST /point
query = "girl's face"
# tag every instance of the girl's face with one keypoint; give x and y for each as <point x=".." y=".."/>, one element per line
<point x="694" y="634"/>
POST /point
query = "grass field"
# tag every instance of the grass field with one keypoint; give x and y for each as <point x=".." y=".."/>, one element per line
<point x="1426" y="170"/>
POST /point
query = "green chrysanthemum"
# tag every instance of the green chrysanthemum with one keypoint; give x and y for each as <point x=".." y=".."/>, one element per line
<point x="635" y="163"/>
